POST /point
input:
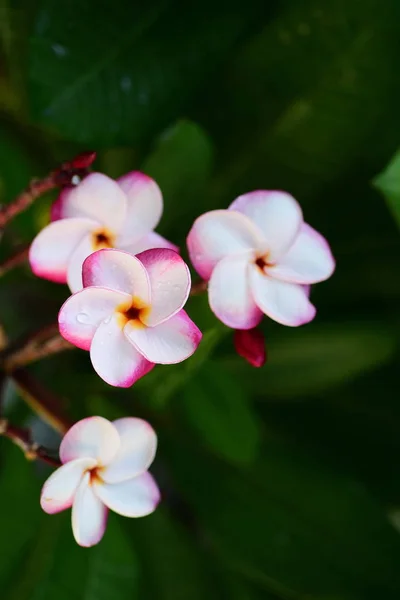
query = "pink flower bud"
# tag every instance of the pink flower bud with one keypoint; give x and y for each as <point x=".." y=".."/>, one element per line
<point x="250" y="344"/>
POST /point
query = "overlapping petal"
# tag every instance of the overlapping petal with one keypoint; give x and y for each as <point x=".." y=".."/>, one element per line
<point x="59" y="489"/>
<point x="96" y="197"/>
<point x="93" y="437"/>
<point x="52" y="248"/>
<point x="117" y="270"/>
<point x="277" y="214"/>
<point x="287" y="303"/>
<point x="83" y="312"/>
<point x="308" y="260"/>
<point x="136" y="497"/>
<point x="89" y="515"/>
<point x="114" y="358"/>
<point x="169" y="342"/>
<point x="75" y="265"/>
<point x="149" y="241"/>
<point x="144" y="206"/>
<point x="218" y="234"/>
<point x="230" y="295"/>
<point x="169" y="279"/>
<point x="136" y="453"/>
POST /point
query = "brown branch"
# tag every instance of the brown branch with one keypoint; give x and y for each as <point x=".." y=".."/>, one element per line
<point x="16" y="259"/>
<point x="198" y="287"/>
<point x="41" y="400"/>
<point x="22" y="438"/>
<point x="38" y="345"/>
<point x="65" y="175"/>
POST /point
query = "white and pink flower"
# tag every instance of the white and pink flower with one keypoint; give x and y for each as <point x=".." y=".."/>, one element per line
<point x="129" y="314"/>
<point x="259" y="258"/>
<point x="104" y="467"/>
<point x="98" y="213"/>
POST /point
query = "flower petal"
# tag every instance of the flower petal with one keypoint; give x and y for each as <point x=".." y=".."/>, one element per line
<point x="136" y="497"/>
<point x="83" y="312"/>
<point x="308" y="260"/>
<point x="89" y="515"/>
<point x="52" y="248"/>
<point x="96" y="197"/>
<point x="169" y="342"/>
<point x="117" y="270"/>
<point x="74" y="272"/>
<point x="169" y="278"/>
<point x="286" y="303"/>
<point x="59" y="489"/>
<point x="147" y="242"/>
<point x="56" y="211"/>
<point x="93" y="437"/>
<point x="114" y="358"/>
<point x="136" y="453"/>
<point x="277" y="214"/>
<point x="144" y="206"/>
<point x="220" y="233"/>
<point x="229" y="293"/>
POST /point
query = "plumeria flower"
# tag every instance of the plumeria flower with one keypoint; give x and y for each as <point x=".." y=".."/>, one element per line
<point x="104" y="467"/>
<point x="257" y="256"/>
<point x="129" y="314"/>
<point x="98" y="213"/>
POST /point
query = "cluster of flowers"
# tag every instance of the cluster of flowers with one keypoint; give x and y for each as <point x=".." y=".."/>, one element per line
<point x="129" y="287"/>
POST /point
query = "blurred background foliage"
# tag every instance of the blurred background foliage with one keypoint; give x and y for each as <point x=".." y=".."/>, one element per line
<point x="279" y="483"/>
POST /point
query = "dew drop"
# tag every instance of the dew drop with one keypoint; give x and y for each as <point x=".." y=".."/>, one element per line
<point x="83" y="318"/>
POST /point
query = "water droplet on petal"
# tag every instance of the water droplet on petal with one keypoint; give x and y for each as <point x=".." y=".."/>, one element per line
<point x="83" y="318"/>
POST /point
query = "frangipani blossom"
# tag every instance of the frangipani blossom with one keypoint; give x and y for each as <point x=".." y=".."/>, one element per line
<point x="259" y="258"/>
<point x="104" y="467"/>
<point x="98" y="213"/>
<point x="129" y="314"/>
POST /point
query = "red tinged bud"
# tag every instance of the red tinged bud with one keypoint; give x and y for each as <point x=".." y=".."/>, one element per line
<point x="250" y="344"/>
<point x="83" y="160"/>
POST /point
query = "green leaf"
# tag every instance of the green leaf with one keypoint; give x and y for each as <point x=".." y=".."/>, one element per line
<point x="316" y="358"/>
<point x="388" y="182"/>
<point x="101" y="76"/>
<point x="292" y="525"/>
<point x="217" y="409"/>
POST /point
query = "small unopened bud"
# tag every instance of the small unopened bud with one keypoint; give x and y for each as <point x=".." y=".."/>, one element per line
<point x="250" y="344"/>
<point x="83" y="160"/>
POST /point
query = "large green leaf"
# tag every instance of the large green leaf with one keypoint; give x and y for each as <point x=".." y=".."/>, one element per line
<point x="292" y="525"/>
<point x="388" y="182"/>
<point x="316" y="358"/>
<point x="101" y="76"/>
<point x="217" y="409"/>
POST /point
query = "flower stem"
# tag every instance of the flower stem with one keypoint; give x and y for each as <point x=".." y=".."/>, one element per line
<point x="16" y="259"/>
<point x="38" y="345"/>
<point x="64" y="175"/>
<point x="22" y="438"/>
<point x="41" y="400"/>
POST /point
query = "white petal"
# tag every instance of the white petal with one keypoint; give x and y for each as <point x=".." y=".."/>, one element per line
<point x="74" y="272"/>
<point x="144" y="206"/>
<point x="286" y="303"/>
<point x="230" y="295"/>
<point x="308" y="260"/>
<point x="147" y="242"/>
<point x="136" y="453"/>
<point x="83" y="312"/>
<point x="135" y="497"/>
<point x="169" y="278"/>
<point x="114" y="358"/>
<point x="170" y="342"/>
<point x="59" y="489"/>
<point x="97" y="197"/>
<point x="117" y="270"/>
<point x="220" y="233"/>
<point x="277" y="214"/>
<point x="89" y="515"/>
<point x="52" y="248"/>
<point x="93" y="437"/>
